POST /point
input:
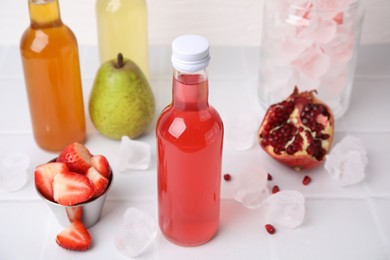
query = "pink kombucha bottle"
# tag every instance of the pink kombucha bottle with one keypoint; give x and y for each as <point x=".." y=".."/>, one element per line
<point x="189" y="150"/>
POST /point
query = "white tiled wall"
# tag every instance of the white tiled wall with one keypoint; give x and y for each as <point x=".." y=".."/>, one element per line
<point x="223" y="22"/>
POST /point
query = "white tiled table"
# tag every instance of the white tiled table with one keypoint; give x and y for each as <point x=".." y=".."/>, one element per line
<point x="340" y="223"/>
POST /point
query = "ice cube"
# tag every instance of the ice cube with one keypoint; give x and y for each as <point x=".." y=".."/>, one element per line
<point x="331" y="9"/>
<point x="290" y="49"/>
<point x="296" y="3"/>
<point x="133" y="155"/>
<point x="313" y="62"/>
<point x="13" y="170"/>
<point x="241" y="131"/>
<point x="332" y="4"/>
<point x="136" y="232"/>
<point x="325" y="31"/>
<point x="298" y="12"/>
<point x="341" y="48"/>
<point x="320" y="31"/>
<point x="347" y="161"/>
<point x="252" y="190"/>
<point x="286" y="208"/>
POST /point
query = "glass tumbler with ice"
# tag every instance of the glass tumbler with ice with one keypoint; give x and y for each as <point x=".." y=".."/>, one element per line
<point x="311" y="44"/>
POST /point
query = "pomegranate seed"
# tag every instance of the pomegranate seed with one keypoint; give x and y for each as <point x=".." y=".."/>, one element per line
<point x="269" y="177"/>
<point x="275" y="189"/>
<point x="306" y="180"/>
<point x="227" y="177"/>
<point x="270" y="229"/>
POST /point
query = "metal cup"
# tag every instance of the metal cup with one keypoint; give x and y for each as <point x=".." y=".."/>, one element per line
<point x="88" y="212"/>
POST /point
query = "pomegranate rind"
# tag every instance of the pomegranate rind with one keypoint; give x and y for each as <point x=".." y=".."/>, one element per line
<point x="300" y="160"/>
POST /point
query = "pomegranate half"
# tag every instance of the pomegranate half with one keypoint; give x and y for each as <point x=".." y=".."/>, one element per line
<point x="298" y="131"/>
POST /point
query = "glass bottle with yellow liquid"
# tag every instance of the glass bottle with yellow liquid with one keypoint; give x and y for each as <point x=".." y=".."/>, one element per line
<point x="52" y="75"/>
<point x="122" y="28"/>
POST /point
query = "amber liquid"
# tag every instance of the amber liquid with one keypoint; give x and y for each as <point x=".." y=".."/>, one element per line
<point x="52" y="75"/>
<point x="189" y="145"/>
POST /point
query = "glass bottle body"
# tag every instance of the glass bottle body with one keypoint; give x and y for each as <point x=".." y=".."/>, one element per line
<point x="122" y="27"/>
<point x="50" y="61"/>
<point x="312" y="45"/>
<point x="189" y="143"/>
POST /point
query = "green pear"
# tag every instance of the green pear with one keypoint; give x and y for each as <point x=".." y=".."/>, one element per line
<point x="121" y="102"/>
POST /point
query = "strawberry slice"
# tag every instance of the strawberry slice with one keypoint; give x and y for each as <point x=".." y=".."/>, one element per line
<point x="74" y="213"/>
<point x="72" y="188"/>
<point x="100" y="163"/>
<point x="98" y="180"/>
<point x="44" y="175"/>
<point x="77" y="157"/>
<point x="75" y="237"/>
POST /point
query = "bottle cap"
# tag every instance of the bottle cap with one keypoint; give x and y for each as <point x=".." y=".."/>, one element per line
<point x="190" y="53"/>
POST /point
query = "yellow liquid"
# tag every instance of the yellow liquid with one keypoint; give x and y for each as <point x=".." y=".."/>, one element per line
<point x="122" y="27"/>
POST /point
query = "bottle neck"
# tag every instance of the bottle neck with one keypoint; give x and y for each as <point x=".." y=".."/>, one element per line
<point x="190" y="90"/>
<point x="44" y="13"/>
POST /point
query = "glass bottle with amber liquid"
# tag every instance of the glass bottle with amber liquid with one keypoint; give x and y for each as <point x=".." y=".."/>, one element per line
<point x="189" y="149"/>
<point x="51" y="66"/>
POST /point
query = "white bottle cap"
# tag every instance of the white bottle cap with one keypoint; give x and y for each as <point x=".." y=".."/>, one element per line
<point x="190" y="53"/>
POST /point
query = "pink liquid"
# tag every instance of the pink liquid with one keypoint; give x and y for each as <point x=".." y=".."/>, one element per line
<point x="189" y="138"/>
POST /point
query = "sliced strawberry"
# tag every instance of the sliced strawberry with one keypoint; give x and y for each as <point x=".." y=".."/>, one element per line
<point x="74" y="213"/>
<point x="100" y="163"/>
<point x="77" y="157"/>
<point x="75" y="237"/>
<point x="72" y="188"/>
<point x="98" y="180"/>
<point x="44" y="175"/>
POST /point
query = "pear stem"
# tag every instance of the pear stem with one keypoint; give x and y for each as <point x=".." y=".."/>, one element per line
<point x="120" y="62"/>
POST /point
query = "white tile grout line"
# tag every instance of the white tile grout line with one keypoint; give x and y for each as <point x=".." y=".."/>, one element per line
<point x="377" y="223"/>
